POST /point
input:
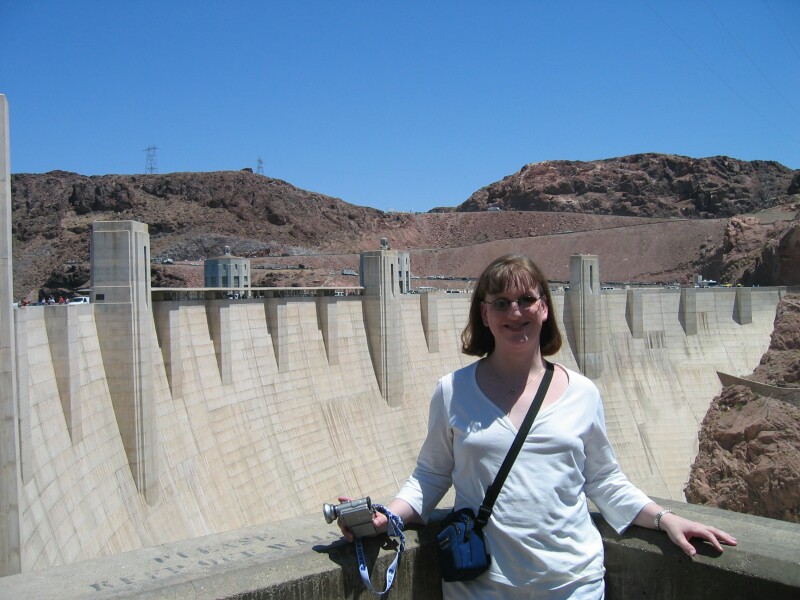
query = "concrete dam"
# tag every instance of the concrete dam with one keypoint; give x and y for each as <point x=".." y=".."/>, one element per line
<point x="142" y="419"/>
<point x="175" y="443"/>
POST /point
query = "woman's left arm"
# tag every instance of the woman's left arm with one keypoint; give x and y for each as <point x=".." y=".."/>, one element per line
<point x="681" y="530"/>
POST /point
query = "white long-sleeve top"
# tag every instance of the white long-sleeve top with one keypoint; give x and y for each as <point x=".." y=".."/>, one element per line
<point x="540" y="533"/>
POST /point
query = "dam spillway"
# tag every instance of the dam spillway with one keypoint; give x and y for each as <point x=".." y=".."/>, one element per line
<point x="257" y="410"/>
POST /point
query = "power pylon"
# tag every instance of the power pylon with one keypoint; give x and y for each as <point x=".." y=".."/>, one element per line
<point x="150" y="163"/>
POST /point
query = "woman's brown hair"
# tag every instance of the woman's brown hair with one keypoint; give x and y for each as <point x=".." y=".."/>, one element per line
<point x="511" y="270"/>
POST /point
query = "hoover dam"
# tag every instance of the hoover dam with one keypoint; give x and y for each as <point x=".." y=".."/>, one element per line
<point x="146" y="422"/>
<point x="149" y="417"/>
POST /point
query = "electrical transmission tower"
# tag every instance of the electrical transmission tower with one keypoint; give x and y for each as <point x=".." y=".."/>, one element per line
<point x="260" y="167"/>
<point x="150" y="163"/>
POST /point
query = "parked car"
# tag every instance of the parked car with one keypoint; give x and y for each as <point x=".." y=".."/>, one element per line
<point x="79" y="300"/>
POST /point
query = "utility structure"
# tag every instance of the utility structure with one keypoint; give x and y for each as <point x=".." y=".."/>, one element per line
<point x="260" y="166"/>
<point x="385" y="274"/>
<point x="582" y="313"/>
<point x="150" y="162"/>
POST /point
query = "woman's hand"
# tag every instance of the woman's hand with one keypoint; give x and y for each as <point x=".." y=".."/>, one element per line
<point x="379" y="520"/>
<point x="681" y="531"/>
<point x="398" y="507"/>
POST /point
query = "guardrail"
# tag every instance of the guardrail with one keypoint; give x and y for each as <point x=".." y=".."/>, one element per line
<point x="305" y="558"/>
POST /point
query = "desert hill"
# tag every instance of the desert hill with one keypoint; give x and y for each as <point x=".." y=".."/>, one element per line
<point x="650" y="217"/>
<point x="651" y="185"/>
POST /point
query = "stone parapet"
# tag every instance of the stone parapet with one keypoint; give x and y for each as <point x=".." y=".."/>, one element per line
<point x="304" y="558"/>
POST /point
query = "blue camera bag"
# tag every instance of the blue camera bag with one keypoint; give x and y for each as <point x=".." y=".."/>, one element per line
<point x="462" y="551"/>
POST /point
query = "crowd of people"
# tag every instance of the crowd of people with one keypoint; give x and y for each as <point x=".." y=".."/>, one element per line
<point x="43" y="301"/>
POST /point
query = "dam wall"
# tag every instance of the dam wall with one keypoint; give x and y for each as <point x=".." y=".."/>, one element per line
<point x="657" y="380"/>
<point x="271" y="443"/>
<point x="266" y="408"/>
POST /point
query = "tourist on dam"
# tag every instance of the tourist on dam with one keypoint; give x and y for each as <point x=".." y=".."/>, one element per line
<point x="540" y="536"/>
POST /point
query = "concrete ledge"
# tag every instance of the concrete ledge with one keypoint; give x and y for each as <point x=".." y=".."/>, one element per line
<point x="295" y="559"/>
<point x="306" y="558"/>
<point x="791" y="395"/>
<point x="644" y="563"/>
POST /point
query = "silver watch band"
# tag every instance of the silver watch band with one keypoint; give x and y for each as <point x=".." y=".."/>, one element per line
<point x="660" y="514"/>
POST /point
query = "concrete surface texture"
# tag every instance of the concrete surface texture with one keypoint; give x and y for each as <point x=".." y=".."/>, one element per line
<point x="303" y="558"/>
<point x="276" y="441"/>
<point x="9" y="419"/>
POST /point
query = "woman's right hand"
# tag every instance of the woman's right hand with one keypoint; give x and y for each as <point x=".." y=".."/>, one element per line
<point x="379" y="520"/>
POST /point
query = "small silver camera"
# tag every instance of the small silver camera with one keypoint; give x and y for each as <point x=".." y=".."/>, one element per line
<point x="356" y="514"/>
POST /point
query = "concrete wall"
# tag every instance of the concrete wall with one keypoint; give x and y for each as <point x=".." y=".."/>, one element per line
<point x="273" y="441"/>
<point x="9" y="392"/>
<point x="657" y="385"/>
<point x="305" y="558"/>
<point x="120" y="254"/>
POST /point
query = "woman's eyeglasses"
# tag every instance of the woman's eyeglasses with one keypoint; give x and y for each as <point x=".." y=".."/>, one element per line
<point x="504" y="304"/>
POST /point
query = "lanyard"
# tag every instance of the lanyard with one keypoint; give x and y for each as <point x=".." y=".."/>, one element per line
<point x="394" y="529"/>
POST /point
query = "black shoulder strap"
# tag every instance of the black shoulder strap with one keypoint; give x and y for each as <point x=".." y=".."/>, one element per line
<point x="485" y="510"/>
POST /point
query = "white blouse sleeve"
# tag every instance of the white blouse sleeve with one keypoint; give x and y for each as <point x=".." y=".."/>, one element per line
<point x="605" y="484"/>
<point x="433" y="474"/>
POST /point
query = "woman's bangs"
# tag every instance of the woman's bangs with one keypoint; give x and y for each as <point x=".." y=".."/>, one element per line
<point x="510" y="276"/>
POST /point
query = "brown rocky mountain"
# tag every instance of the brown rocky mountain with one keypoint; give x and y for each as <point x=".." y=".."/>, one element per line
<point x="675" y="215"/>
<point x="650" y="185"/>
<point x="749" y="455"/>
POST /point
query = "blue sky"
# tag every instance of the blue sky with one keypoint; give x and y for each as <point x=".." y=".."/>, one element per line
<point x="395" y="105"/>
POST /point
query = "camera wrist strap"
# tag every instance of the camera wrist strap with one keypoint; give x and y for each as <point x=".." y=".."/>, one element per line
<point x="394" y="528"/>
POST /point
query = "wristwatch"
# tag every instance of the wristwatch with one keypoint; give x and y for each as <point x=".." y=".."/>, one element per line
<point x="660" y="514"/>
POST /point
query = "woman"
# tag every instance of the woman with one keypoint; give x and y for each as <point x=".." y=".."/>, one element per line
<point x="541" y="537"/>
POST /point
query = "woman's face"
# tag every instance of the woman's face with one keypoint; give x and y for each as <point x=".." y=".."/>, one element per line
<point x="515" y="317"/>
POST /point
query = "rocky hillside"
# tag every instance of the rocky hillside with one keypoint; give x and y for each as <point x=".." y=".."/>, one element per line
<point x="759" y="249"/>
<point x="749" y="455"/>
<point x="651" y="185"/>
<point x="614" y="208"/>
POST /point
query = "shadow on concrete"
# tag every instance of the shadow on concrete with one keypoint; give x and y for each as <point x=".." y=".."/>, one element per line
<point x="417" y="568"/>
<point x="568" y="318"/>
<point x="379" y="552"/>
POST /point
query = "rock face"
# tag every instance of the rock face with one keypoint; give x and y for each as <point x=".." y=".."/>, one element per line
<point x="749" y="455"/>
<point x="192" y="216"/>
<point x="780" y="365"/>
<point x="756" y="250"/>
<point x="651" y="185"/>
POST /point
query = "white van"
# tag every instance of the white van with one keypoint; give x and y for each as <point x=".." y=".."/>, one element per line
<point x="79" y="300"/>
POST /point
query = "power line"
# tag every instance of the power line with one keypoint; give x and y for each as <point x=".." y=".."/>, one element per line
<point x="722" y="80"/>
<point x="783" y="31"/>
<point x="752" y="62"/>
